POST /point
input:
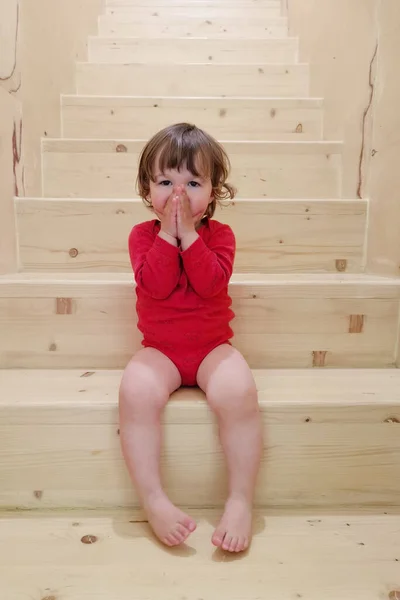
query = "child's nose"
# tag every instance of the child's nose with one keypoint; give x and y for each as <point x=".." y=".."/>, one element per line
<point x="178" y="189"/>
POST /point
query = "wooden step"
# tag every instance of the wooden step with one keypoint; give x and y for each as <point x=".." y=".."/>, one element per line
<point x="185" y="26"/>
<point x="211" y="11"/>
<point x="192" y="50"/>
<point x="271" y="235"/>
<point x="309" y="555"/>
<point x="331" y="441"/>
<point x="260" y="80"/>
<point x="88" y="320"/>
<point x="253" y="119"/>
<point x="107" y="168"/>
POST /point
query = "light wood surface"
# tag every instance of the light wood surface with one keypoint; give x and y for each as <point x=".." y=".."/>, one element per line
<point x="384" y="180"/>
<point x="326" y="435"/>
<point x="210" y="11"/>
<point x="10" y="120"/>
<point x="287" y="321"/>
<point x="175" y="26"/>
<point x="258" y="80"/>
<point x="310" y="555"/>
<point x="193" y="50"/>
<point x="253" y="119"/>
<point x="108" y="168"/>
<point x="271" y="235"/>
<point x="264" y="4"/>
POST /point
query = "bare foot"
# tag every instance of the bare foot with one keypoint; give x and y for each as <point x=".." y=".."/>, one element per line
<point x="234" y="530"/>
<point x="171" y="525"/>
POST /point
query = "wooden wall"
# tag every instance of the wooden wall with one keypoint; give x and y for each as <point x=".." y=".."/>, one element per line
<point x="10" y="132"/>
<point x="40" y="41"/>
<point x="384" y="173"/>
<point x="353" y="49"/>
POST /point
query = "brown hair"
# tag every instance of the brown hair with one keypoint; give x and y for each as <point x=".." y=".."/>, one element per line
<point x="185" y="145"/>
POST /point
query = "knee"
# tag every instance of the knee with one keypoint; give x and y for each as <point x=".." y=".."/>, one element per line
<point x="234" y="398"/>
<point x="139" y="397"/>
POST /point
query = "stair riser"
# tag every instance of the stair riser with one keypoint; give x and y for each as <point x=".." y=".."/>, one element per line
<point x="72" y="457"/>
<point x="286" y="81"/>
<point x="227" y="119"/>
<point x="220" y="28"/>
<point x="271" y="236"/>
<point x="94" y="326"/>
<point x="108" y="169"/>
<point x="114" y="51"/>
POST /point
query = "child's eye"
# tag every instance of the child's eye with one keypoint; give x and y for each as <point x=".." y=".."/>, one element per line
<point x="195" y="184"/>
<point x="165" y="182"/>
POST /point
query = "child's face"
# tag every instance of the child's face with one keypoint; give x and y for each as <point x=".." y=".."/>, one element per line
<point x="198" y="189"/>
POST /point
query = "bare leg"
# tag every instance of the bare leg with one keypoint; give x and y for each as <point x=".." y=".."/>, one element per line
<point x="229" y="386"/>
<point x="147" y="383"/>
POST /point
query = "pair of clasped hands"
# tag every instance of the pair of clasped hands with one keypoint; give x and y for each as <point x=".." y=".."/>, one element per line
<point x="177" y="221"/>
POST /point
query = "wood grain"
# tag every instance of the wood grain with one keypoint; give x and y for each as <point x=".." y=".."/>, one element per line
<point x="271" y="235"/>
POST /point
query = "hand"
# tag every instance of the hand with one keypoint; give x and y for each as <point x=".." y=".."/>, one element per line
<point x="169" y="217"/>
<point x="185" y="219"/>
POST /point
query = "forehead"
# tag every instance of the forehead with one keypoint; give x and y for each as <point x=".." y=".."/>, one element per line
<point x="183" y="172"/>
<point x="184" y="160"/>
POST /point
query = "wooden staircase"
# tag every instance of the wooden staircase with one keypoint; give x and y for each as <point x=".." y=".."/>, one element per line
<point x="321" y="334"/>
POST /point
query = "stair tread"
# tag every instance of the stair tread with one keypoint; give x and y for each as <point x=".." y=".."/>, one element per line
<point x="153" y="38"/>
<point x="334" y="279"/>
<point x="135" y="145"/>
<point x="277" y="389"/>
<point x="77" y="98"/>
<point x="355" y="556"/>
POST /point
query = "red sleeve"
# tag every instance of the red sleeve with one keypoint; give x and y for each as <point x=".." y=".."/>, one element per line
<point x="209" y="266"/>
<point x="155" y="262"/>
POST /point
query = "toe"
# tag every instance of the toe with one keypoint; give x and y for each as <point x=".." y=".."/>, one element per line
<point x="179" y="537"/>
<point x="240" y="544"/>
<point x="167" y="541"/>
<point x="182" y="531"/>
<point x="188" y="523"/>
<point x="233" y="544"/>
<point x="173" y="539"/>
<point x="218" y="537"/>
<point x="227" y="542"/>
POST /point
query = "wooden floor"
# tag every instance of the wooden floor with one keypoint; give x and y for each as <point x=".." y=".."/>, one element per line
<point x="309" y="556"/>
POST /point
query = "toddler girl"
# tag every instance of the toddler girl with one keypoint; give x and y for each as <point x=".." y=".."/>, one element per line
<point x="182" y="262"/>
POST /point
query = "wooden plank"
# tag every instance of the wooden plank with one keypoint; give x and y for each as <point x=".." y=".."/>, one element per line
<point x="346" y="555"/>
<point x="259" y="80"/>
<point x="176" y="26"/>
<point x="313" y="396"/>
<point x="211" y="11"/>
<point x="274" y="325"/>
<point x="242" y="285"/>
<point x="326" y="434"/>
<point x="271" y="235"/>
<point x="253" y="119"/>
<point x="192" y="50"/>
<point x="107" y="168"/>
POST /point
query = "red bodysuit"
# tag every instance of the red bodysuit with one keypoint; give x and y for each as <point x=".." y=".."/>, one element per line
<point x="183" y="304"/>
